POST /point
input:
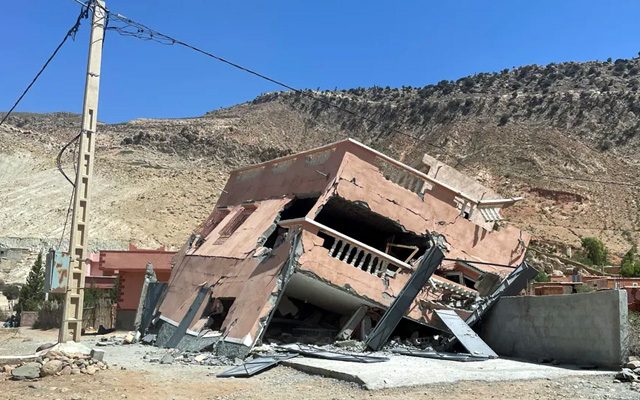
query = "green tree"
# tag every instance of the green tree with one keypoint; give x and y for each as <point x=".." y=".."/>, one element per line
<point x="542" y="277"/>
<point x="11" y="292"/>
<point x="630" y="265"/>
<point x="32" y="293"/>
<point x="595" y="250"/>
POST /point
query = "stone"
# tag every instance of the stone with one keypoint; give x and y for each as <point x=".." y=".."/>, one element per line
<point x="200" y="357"/>
<point x="66" y="370"/>
<point x="167" y="359"/>
<point x="97" y="354"/>
<point x="45" y="346"/>
<point x="72" y="348"/>
<point x="51" y="367"/>
<point x="75" y="371"/>
<point x="129" y="338"/>
<point x="633" y="365"/>
<point x="91" y="370"/>
<point x="7" y="368"/>
<point x="27" y="371"/>
<point x="347" y="343"/>
<point x="626" y="375"/>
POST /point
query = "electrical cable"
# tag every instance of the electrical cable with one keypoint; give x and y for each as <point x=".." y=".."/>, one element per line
<point x="84" y="12"/>
<point x="59" y="159"/>
<point x="141" y="31"/>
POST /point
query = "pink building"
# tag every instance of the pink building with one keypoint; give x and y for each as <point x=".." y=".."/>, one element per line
<point x="127" y="268"/>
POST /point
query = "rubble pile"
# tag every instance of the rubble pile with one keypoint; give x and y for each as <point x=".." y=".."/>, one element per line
<point x="55" y="363"/>
<point x="630" y="372"/>
<point x="174" y="356"/>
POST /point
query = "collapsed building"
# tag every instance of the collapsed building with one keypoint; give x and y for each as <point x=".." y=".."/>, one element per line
<point x="322" y="242"/>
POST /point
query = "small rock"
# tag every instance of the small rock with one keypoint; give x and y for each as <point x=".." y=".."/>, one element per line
<point x="91" y="370"/>
<point x="633" y="365"/>
<point x="66" y="370"/>
<point x="167" y="359"/>
<point x="27" y="371"/>
<point x="129" y="338"/>
<point x="8" y="368"/>
<point x="200" y="357"/>
<point x="45" y="346"/>
<point x="626" y="375"/>
<point x="51" y="367"/>
<point x="97" y="354"/>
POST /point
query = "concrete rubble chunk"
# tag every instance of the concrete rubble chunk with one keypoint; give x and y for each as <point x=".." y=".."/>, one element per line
<point x="27" y="371"/>
<point x="167" y="359"/>
<point x="201" y="357"/>
<point x="633" y="365"/>
<point x="626" y="375"/>
<point x="71" y="347"/>
<point x="97" y="354"/>
<point x="129" y="338"/>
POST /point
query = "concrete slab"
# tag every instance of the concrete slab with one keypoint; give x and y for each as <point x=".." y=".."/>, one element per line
<point x="402" y="371"/>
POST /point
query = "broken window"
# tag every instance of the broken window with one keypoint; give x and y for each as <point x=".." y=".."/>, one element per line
<point x="299" y="207"/>
<point x="216" y="312"/>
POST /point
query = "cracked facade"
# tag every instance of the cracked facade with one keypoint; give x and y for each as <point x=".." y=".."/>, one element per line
<point x="337" y="227"/>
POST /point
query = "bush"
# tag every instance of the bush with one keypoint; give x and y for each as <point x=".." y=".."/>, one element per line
<point x="542" y="277"/>
<point x="11" y="292"/>
<point x="595" y="250"/>
<point x="630" y="265"/>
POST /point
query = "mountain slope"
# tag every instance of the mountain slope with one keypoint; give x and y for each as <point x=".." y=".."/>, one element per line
<point x="517" y="131"/>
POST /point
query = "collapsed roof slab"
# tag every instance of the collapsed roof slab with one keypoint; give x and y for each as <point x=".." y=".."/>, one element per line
<point x="360" y="181"/>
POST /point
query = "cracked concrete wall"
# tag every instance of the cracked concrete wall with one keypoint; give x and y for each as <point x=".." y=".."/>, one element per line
<point x="233" y="272"/>
<point x="304" y="174"/>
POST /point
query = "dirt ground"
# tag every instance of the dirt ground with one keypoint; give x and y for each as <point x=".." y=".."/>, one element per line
<point x="132" y="377"/>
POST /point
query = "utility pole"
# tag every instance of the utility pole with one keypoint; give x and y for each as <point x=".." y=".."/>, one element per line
<point x="71" y="326"/>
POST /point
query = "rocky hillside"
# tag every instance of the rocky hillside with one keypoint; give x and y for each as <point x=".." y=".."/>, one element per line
<point x="521" y="131"/>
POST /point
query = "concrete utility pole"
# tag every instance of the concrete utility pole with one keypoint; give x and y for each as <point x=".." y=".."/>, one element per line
<point x="71" y="326"/>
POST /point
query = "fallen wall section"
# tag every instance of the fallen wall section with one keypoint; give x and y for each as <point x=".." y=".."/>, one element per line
<point x="583" y="329"/>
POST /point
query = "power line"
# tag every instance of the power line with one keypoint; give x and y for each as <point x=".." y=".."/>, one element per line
<point x="138" y="30"/>
<point x="84" y="12"/>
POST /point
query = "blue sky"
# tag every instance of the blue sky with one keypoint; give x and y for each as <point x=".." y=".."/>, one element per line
<point x="308" y="44"/>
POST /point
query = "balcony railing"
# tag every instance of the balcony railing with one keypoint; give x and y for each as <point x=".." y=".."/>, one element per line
<point x="353" y="252"/>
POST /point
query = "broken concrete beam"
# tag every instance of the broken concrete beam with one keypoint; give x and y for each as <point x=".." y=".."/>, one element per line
<point x="355" y="319"/>
<point x="390" y="319"/>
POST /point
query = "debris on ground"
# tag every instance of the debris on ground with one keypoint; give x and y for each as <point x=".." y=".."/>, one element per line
<point x="55" y="363"/>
